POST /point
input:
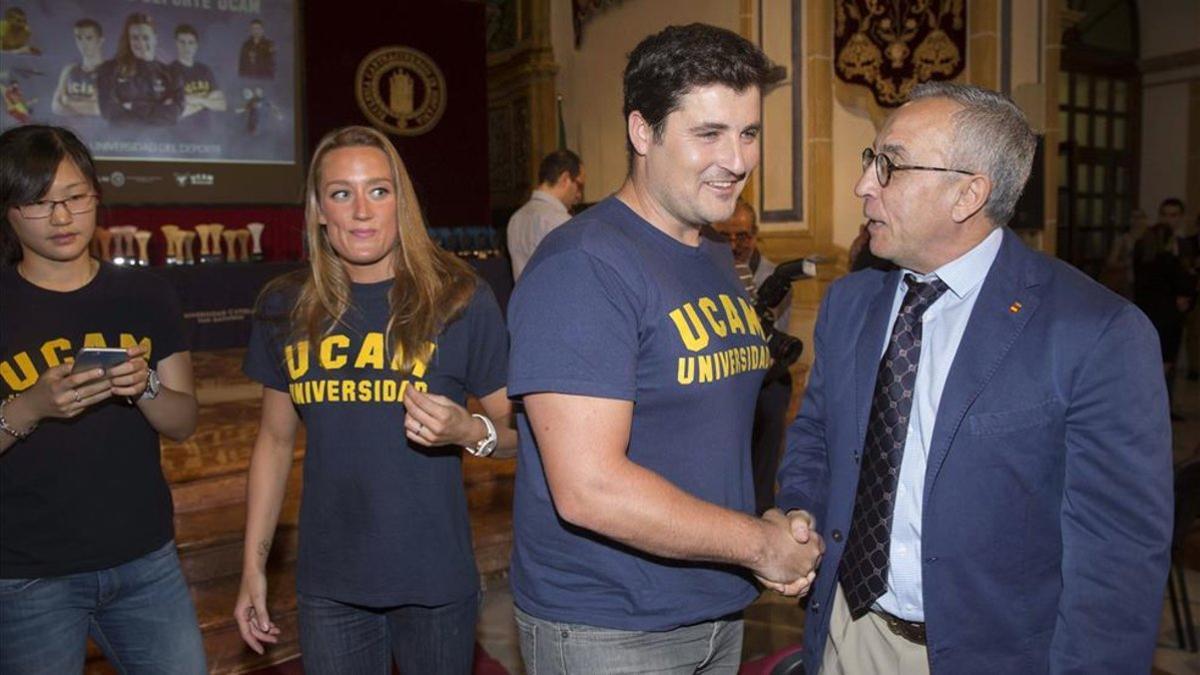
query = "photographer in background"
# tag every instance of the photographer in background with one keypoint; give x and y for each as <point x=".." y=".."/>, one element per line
<point x="741" y="232"/>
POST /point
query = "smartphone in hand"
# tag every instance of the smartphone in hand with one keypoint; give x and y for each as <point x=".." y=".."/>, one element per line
<point x="89" y="358"/>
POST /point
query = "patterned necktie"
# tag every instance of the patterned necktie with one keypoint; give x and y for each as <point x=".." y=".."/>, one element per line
<point x="865" y="563"/>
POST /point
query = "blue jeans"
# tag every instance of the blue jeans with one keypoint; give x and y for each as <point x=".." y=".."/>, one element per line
<point x="336" y="637"/>
<point x="139" y="613"/>
<point x="569" y="648"/>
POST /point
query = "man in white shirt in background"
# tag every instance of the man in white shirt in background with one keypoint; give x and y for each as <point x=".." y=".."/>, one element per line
<point x="560" y="186"/>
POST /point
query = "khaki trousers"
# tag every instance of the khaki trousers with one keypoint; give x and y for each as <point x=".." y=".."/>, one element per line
<point x="868" y="647"/>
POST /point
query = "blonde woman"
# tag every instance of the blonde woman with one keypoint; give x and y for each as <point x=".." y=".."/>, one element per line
<point x="375" y="348"/>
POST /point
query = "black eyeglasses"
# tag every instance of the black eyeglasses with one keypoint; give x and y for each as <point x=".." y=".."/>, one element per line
<point x="884" y="166"/>
<point x="75" y="204"/>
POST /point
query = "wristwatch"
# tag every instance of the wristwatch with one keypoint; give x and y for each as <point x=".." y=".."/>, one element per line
<point x="153" y="386"/>
<point x="486" y="446"/>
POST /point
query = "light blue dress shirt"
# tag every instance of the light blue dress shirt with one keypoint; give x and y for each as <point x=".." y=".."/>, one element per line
<point x="942" y="328"/>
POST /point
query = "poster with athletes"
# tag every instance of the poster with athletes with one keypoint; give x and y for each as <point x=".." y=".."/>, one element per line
<point x="181" y="101"/>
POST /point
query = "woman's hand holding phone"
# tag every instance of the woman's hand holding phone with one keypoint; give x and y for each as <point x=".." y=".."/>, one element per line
<point x="63" y="393"/>
<point x="60" y="393"/>
<point x="129" y="378"/>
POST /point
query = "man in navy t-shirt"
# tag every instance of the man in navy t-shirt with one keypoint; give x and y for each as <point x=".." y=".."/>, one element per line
<point x="638" y="357"/>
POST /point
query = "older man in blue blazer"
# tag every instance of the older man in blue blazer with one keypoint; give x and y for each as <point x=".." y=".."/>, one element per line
<point x="984" y="441"/>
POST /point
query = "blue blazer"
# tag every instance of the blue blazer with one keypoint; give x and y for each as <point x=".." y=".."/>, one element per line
<point x="1046" y="520"/>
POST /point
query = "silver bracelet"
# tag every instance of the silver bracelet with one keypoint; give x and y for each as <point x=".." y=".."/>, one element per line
<point x="8" y="428"/>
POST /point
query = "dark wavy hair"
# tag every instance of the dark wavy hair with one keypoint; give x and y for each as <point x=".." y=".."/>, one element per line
<point x="29" y="159"/>
<point x="667" y="65"/>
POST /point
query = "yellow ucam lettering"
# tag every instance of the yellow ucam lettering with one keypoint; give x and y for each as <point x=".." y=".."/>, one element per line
<point x="421" y="365"/>
<point x="128" y="342"/>
<point x="687" y="370"/>
<point x="23" y="376"/>
<point x="691" y="331"/>
<point x="296" y="357"/>
<point x="709" y="308"/>
<point x="54" y="351"/>
<point x="736" y="325"/>
<point x="95" y="340"/>
<point x="370" y="354"/>
<point x="330" y="360"/>
<point x="751" y="319"/>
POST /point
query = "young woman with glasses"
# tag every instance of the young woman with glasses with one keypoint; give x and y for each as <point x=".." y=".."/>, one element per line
<point x="86" y="534"/>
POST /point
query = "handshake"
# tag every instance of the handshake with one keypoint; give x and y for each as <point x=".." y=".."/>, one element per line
<point x="793" y="550"/>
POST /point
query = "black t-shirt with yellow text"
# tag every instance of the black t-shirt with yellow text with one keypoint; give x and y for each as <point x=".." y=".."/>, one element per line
<point x="88" y="493"/>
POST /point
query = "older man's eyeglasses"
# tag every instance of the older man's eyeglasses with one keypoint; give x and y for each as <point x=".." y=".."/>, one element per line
<point x="885" y="167"/>
<point x="75" y="204"/>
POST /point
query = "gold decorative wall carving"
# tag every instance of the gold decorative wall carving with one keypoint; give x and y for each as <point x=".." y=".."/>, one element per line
<point x="890" y="46"/>
<point x="583" y="11"/>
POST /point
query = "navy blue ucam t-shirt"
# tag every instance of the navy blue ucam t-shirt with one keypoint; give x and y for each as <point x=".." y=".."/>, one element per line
<point x="383" y="522"/>
<point x="612" y="307"/>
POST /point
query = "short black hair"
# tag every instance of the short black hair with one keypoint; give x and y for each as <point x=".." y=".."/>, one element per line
<point x="29" y="159"/>
<point x="89" y="23"/>
<point x="256" y="21"/>
<point x="557" y="162"/>
<point x="1171" y="201"/>
<point x="667" y="65"/>
<point x="187" y="28"/>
